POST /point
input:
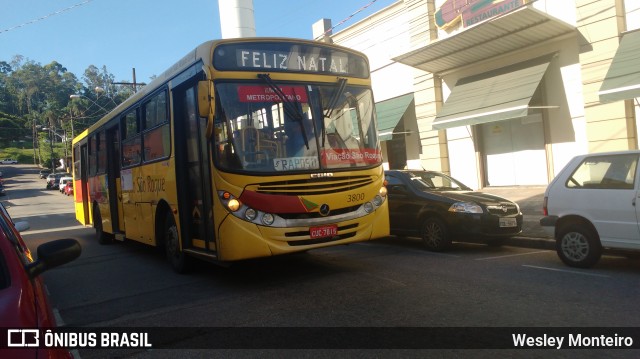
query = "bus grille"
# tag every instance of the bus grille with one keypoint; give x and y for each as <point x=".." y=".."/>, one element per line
<point x="314" y="186"/>
<point x="311" y="215"/>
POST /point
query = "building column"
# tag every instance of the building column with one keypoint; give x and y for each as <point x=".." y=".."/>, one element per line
<point x="610" y="126"/>
<point x="427" y="88"/>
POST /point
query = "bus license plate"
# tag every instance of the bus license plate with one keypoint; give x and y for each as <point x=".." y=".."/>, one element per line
<point x="508" y="222"/>
<point x="323" y="231"/>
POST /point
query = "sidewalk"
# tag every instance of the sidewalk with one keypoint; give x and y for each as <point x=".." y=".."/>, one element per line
<point x="530" y="199"/>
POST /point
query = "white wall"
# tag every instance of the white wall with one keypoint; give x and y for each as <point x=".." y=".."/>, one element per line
<point x="564" y="10"/>
<point x="632" y="8"/>
<point x="380" y="37"/>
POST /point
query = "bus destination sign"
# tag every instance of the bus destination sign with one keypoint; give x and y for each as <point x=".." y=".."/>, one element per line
<point x="289" y="57"/>
<point x="336" y="64"/>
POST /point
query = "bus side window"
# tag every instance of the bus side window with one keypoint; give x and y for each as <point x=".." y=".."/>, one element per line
<point x="131" y="143"/>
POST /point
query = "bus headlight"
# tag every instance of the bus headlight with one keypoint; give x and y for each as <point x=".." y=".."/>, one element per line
<point x="268" y="219"/>
<point x="383" y="191"/>
<point x="233" y="205"/>
<point x="377" y="200"/>
<point x="250" y="214"/>
<point x="246" y="213"/>
<point x="368" y="207"/>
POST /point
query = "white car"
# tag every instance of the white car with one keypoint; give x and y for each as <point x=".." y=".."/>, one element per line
<point x="591" y="205"/>
<point x="9" y="161"/>
<point x="63" y="182"/>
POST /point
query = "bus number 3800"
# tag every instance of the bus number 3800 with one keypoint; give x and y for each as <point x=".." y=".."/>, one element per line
<point x="356" y="197"/>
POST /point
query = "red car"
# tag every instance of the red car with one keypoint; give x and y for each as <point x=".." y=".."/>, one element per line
<point x="23" y="298"/>
<point x="68" y="189"/>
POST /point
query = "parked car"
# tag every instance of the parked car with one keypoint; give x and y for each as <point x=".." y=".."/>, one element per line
<point x="24" y="302"/>
<point x="591" y="206"/>
<point x="439" y="209"/>
<point x="8" y="161"/>
<point x="44" y="173"/>
<point x="53" y="180"/>
<point x="63" y="182"/>
<point x="68" y="189"/>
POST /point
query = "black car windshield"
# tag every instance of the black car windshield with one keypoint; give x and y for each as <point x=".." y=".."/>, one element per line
<point x="435" y="181"/>
<point x="315" y="127"/>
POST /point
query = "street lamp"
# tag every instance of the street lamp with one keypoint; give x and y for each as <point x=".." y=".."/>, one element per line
<point x="95" y="103"/>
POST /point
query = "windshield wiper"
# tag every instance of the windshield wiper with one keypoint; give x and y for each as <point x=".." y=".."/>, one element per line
<point x="289" y="107"/>
<point x="342" y="84"/>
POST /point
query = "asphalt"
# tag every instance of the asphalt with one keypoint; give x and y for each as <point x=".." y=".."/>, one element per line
<point x="530" y="200"/>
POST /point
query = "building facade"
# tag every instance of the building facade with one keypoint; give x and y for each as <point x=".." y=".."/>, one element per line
<point x="501" y="93"/>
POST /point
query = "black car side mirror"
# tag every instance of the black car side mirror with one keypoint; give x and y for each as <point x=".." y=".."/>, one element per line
<point x="53" y="254"/>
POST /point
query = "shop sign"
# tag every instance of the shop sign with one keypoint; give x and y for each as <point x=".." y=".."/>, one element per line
<point x="472" y="12"/>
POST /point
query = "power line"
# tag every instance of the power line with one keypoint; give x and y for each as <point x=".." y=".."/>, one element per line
<point x="46" y="16"/>
<point x="347" y="19"/>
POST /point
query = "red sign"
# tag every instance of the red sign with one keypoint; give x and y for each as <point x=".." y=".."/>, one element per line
<point x="338" y="156"/>
<point x="266" y="94"/>
<point x="323" y="231"/>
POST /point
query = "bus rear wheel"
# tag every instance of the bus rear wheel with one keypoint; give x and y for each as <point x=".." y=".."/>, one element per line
<point x="176" y="257"/>
<point x="101" y="236"/>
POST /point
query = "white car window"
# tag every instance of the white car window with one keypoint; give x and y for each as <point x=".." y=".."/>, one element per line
<point x="605" y="172"/>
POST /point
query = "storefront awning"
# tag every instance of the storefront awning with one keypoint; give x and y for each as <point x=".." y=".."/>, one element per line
<point x="492" y="97"/>
<point x="389" y="113"/>
<point x="515" y="30"/>
<point x="623" y="77"/>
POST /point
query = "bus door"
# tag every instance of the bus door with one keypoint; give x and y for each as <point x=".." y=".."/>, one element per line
<point x="113" y="181"/>
<point x="193" y="172"/>
<point x="84" y="181"/>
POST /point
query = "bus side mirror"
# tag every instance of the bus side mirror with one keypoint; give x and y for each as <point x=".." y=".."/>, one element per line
<point x="206" y="103"/>
<point x="205" y="99"/>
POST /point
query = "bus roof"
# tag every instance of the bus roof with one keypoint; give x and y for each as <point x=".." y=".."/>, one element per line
<point x="201" y="53"/>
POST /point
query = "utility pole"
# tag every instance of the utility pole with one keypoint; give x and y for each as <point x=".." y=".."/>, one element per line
<point x="134" y="84"/>
<point x="35" y="141"/>
<point x="53" y="163"/>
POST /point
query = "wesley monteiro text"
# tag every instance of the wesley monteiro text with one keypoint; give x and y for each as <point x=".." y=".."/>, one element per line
<point x="571" y="341"/>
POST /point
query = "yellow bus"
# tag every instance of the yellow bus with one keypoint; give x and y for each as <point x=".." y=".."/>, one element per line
<point x="244" y="148"/>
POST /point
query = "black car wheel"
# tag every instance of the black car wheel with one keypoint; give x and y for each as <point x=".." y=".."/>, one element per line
<point x="435" y="235"/>
<point x="578" y="246"/>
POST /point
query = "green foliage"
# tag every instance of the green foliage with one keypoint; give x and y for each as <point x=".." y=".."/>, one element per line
<point x="34" y="98"/>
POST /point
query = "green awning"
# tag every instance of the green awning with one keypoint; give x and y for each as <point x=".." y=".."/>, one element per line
<point x="389" y="112"/>
<point x="496" y="96"/>
<point x="623" y="77"/>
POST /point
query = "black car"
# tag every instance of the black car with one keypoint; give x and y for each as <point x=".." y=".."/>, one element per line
<point x="439" y="209"/>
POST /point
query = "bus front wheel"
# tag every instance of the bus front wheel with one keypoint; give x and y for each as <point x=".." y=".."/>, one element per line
<point x="175" y="255"/>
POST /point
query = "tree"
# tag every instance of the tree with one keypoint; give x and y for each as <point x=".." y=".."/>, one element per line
<point x="33" y="96"/>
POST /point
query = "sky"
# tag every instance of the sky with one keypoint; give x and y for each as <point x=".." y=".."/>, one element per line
<point x="148" y="35"/>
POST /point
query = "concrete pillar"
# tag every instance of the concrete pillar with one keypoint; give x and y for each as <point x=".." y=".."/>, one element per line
<point x="236" y="18"/>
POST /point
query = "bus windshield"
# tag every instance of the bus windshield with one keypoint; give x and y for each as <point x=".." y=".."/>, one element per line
<point x="270" y="127"/>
